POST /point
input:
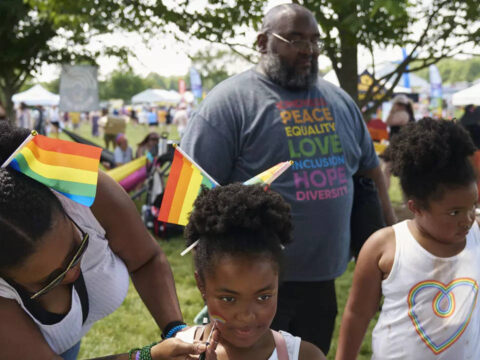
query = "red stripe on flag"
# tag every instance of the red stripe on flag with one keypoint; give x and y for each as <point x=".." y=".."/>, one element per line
<point x="67" y="147"/>
<point x="172" y="181"/>
<point x="180" y="192"/>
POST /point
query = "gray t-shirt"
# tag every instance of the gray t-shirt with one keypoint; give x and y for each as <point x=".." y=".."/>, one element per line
<point x="247" y="124"/>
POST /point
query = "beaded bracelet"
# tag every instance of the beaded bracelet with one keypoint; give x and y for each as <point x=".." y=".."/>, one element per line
<point x="174" y="330"/>
<point x="171" y="328"/>
<point x="145" y="352"/>
<point x="130" y="353"/>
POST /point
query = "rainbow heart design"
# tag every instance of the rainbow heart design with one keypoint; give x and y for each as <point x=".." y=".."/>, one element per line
<point x="443" y="306"/>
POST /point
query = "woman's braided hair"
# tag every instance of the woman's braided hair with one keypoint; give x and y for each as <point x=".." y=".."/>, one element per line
<point x="26" y="206"/>
<point x="238" y="220"/>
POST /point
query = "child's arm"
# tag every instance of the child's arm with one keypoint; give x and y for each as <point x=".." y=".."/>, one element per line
<point x="374" y="262"/>
<point x="308" y="351"/>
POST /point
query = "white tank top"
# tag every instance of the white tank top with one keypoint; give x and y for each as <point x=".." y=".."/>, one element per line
<point x="106" y="281"/>
<point x="292" y="342"/>
<point x="430" y="308"/>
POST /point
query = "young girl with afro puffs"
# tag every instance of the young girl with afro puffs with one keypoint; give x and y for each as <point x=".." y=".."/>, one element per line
<point x="427" y="268"/>
<point x="242" y="230"/>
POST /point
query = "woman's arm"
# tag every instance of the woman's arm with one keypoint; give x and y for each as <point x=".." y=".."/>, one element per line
<point x="375" y="259"/>
<point x="130" y="240"/>
<point x="20" y="338"/>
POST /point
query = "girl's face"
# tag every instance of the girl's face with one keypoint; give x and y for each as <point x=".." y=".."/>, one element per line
<point x="449" y="219"/>
<point x="243" y="292"/>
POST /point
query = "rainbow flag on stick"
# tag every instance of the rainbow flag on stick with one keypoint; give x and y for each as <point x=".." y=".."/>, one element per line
<point x="67" y="167"/>
<point x="269" y="175"/>
<point x="183" y="185"/>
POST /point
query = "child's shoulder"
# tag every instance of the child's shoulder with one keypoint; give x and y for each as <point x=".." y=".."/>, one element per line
<point x="310" y="351"/>
<point x="380" y="248"/>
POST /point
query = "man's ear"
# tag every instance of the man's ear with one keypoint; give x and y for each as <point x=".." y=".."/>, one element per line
<point x="200" y="284"/>
<point x="262" y="41"/>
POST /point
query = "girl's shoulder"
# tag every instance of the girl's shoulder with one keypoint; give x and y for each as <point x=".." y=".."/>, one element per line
<point x="380" y="247"/>
<point x="310" y="351"/>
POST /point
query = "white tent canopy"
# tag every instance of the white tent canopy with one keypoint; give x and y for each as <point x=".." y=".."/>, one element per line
<point x="467" y="96"/>
<point x="36" y="95"/>
<point x="156" y="96"/>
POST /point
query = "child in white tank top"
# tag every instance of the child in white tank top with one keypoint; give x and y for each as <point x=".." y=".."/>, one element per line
<point x="241" y="230"/>
<point x="426" y="268"/>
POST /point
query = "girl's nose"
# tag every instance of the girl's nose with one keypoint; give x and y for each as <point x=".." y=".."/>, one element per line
<point x="246" y="315"/>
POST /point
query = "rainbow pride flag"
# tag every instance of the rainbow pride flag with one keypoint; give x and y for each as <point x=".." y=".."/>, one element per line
<point x="269" y="175"/>
<point x="183" y="185"/>
<point x="67" y="167"/>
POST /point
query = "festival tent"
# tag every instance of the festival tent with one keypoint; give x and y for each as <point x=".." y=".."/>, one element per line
<point x="156" y="96"/>
<point x="36" y="95"/>
<point x="467" y="96"/>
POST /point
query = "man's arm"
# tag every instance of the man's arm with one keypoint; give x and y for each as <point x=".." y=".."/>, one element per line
<point x="378" y="177"/>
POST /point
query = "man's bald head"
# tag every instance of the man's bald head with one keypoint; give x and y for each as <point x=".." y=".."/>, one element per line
<point x="274" y="16"/>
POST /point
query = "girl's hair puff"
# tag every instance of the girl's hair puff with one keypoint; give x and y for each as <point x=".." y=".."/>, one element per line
<point x="429" y="156"/>
<point x="26" y="206"/>
<point x="238" y="220"/>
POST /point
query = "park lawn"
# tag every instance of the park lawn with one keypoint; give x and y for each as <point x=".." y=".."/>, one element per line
<point x="131" y="324"/>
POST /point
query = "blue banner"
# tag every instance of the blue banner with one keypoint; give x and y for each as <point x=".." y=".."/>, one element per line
<point x="195" y="83"/>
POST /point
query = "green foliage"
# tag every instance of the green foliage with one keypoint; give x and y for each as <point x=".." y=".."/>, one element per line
<point x="441" y="28"/>
<point x="121" y="85"/>
<point x="454" y="70"/>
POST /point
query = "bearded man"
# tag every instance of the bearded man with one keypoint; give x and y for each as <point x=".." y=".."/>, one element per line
<point x="277" y="111"/>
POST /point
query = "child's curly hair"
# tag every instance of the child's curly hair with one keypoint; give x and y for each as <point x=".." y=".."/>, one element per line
<point x="429" y="156"/>
<point x="238" y="220"/>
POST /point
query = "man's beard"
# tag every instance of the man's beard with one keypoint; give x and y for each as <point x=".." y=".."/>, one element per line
<point x="285" y="75"/>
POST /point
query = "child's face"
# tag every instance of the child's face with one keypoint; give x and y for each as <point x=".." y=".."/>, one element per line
<point x="449" y="219"/>
<point x="243" y="292"/>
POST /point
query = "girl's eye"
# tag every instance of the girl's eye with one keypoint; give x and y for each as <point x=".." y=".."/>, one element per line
<point x="228" y="299"/>
<point x="264" y="297"/>
<point x="453" y="213"/>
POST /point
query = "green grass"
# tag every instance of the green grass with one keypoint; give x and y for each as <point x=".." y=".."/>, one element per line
<point x="131" y="324"/>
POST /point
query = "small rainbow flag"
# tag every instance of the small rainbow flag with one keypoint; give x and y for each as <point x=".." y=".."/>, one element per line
<point x="269" y="175"/>
<point x="67" y="167"/>
<point x="183" y="185"/>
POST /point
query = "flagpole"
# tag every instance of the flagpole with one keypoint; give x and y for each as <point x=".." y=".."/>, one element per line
<point x="25" y="142"/>
<point x="280" y="171"/>
<point x="194" y="163"/>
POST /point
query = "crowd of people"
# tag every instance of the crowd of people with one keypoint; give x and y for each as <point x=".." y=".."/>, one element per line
<point x="266" y="259"/>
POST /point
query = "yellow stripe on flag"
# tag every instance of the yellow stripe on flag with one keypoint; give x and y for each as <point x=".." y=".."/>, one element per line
<point x="190" y="196"/>
<point x="62" y="159"/>
<point x="59" y="172"/>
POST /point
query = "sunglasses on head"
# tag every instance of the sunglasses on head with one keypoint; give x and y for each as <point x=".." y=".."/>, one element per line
<point x="74" y="262"/>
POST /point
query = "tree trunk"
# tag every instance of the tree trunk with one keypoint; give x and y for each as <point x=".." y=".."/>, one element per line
<point x="9" y="108"/>
<point x="348" y="74"/>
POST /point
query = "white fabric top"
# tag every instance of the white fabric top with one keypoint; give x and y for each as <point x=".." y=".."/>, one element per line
<point x="292" y="342"/>
<point x="106" y="279"/>
<point x="429" y="311"/>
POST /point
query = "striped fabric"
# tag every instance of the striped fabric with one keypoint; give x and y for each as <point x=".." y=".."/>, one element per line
<point x="67" y="167"/>
<point x="183" y="185"/>
<point x="269" y="175"/>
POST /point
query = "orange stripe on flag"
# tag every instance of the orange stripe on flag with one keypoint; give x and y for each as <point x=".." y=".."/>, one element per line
<point x="65" y="147"/>
<point x="66" y="160"/>
<point x="180" y="191"/>
<point x="172" y="181"/>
